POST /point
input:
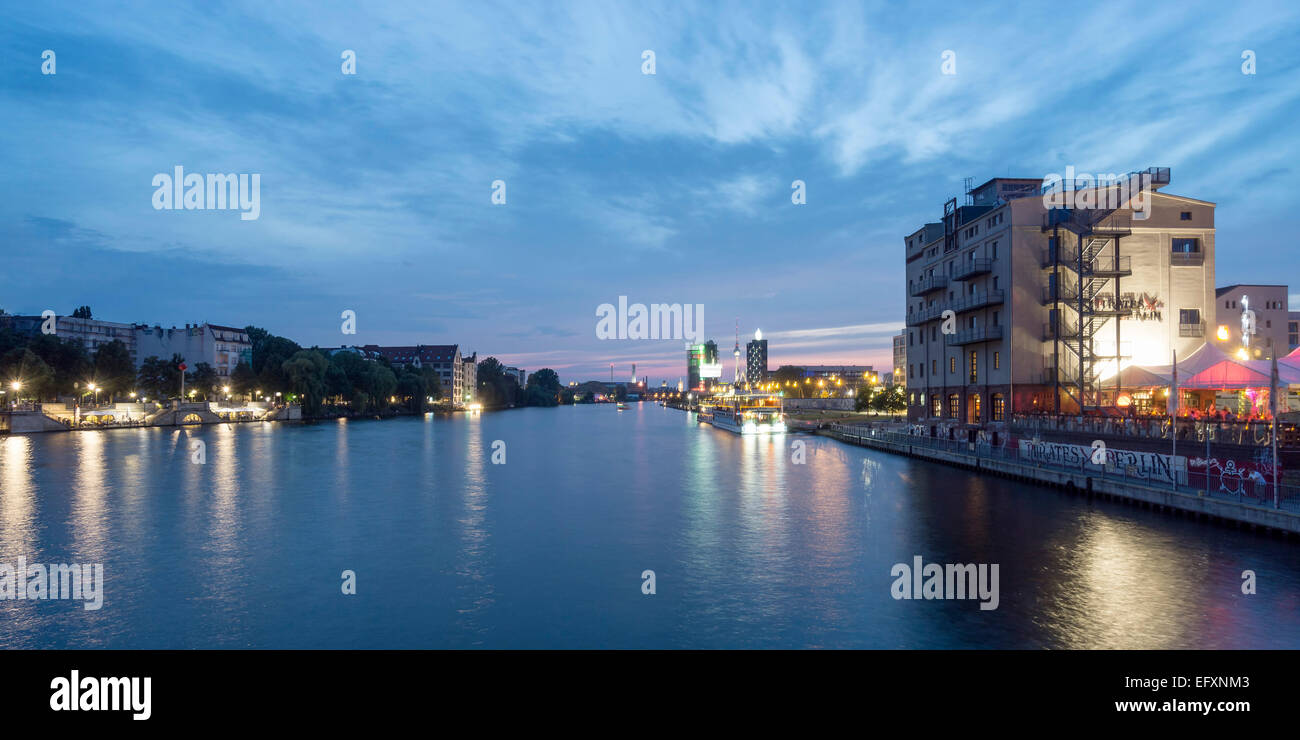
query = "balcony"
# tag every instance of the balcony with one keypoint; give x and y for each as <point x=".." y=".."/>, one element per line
<point x="971" y="268"/>
<point x="974" y="336"/>
<point x="929" y="285"/>
<point x="1192" y="330"/>
<point x="1186" y="259"/>
<point x="979" y="300"/>
<point x="1111" y="267"/>
<point x="929" y="313"/>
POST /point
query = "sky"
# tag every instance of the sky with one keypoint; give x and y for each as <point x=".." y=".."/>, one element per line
<point x="376" y="188"/>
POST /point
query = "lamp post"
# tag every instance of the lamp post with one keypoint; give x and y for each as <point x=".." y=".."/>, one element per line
<point x="17" y="386"/>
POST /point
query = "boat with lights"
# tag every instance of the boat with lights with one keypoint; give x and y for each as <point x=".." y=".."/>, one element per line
<point x="744" y="413"/>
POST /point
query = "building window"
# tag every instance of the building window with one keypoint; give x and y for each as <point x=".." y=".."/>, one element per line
<point x="1186" y="246"/>
<point x="1189" y="316"/>
<point x="1185" y="216"/>
<point x="997" y="361"/>
<point x="995" y="318"/>
<point x="954" y="406"/>
<point x="936" y="410"/>
<point x="952" y="364"/>
<point x="999" y="406"/>
<point x="973" y="406"/>
<point x="934" y="367"/>
<point x="974" y="366"/>
<point x="993" y="250"/>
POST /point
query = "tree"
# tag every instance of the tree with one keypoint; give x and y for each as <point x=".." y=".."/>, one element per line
<point x="82" y="312"/>
<point x="203" y="379"/>
<point x="26" y="367"/>
<point x="378" y="383"/>
<point x="114" y="370"/>
<point x="67" y="359"/>
<point x="155" y="378"/>
<point x="306" y="374"/>
<point x="543" y="388"/>
<point x="243" y="381"/>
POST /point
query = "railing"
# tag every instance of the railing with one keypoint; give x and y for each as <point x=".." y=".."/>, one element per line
<point x="971" y="336"/>
<point x="929" y="313"/>
<point x="928" y="284"/>
<point x="1192" y="330"/>
<point x="970" y="268"/>
<point x="1186" y="259"/>
<point x="1248" y="434"/>
<point x="1191" y="482"/>
<point x="979" y="300"/>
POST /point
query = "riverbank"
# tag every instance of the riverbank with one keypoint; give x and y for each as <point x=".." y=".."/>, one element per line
<point x="1176" y="499"/>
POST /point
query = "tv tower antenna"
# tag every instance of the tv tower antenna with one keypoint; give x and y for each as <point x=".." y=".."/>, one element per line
<point x="736" y="352"/>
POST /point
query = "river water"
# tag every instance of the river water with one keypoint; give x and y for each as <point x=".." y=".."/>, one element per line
<point x="749" y="546"/>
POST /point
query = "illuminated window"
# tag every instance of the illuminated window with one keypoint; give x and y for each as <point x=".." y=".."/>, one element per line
<point x="999" y="406"/>
<point x="952" y="364"/>
<point x="954" y="406"/>
<point x="936" y="408"/>
<point x="974" y="367"/>
<point x="997" y="360"/>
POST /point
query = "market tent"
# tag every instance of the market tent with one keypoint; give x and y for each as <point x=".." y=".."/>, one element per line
<point x="1201" y="358"/>
<point x="1227" y="374"/>
<point x="1151" y="376"/>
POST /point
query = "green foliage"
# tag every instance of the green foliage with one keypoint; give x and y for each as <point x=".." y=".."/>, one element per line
<point x="82" y="312"/>
<point x="305" y="372"/>
<point x="156" y="379"/>
<point x="243" y="381"/>
<point x="25" y="366"/>
<point x="114" y="370"/>
<point x="202" y="379"/>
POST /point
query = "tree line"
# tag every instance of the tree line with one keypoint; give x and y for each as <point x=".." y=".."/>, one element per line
<point x="325" y="383"/>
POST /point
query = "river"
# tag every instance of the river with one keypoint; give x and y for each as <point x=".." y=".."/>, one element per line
<point x="754" y="542"/>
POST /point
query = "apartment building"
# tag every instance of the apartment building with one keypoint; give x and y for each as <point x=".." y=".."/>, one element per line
<point x="1254" y="321"/>
<point x="1034" y="293"/>
<point x="222" y="347"/>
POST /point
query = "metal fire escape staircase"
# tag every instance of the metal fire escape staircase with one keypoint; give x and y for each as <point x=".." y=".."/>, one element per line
<point x="1085" y="281"/>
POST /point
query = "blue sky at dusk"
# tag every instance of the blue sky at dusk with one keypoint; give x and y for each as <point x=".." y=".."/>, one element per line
<point x="670" y="188"/>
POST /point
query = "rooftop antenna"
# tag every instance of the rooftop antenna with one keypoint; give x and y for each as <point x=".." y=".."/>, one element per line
<point x="967" y="184"/>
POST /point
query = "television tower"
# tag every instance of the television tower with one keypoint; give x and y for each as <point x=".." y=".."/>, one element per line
<point x="736" y="352"/>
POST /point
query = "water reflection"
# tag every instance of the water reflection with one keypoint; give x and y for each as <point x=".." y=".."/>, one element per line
<point x="752" y="548"/>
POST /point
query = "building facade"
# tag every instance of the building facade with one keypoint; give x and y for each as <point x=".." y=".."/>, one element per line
<point x="1018" y="304"/>
<point x="899" y="374"/>
<point x="756" y="359"/>
<point x="1254" y="321"/>
<point x="89" y="333"/>
<point x="222" y="347"/>
<point x="445" y="359"/>
<point x="703" y="371"/>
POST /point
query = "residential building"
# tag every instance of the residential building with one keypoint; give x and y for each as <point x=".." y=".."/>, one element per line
<point x="1260" y="313"/>
<point x="222" y="347"/>
<point x="445" y="359"/>
<point x="1032" y="295"/>
<point x="89" y="333"/>
<point x="899" y="375"/>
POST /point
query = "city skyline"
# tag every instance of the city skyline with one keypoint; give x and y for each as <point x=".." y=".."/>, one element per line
<point x="376" y="188"/>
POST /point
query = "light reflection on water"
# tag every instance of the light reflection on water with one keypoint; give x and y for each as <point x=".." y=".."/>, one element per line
<point x="750" y="547"/>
